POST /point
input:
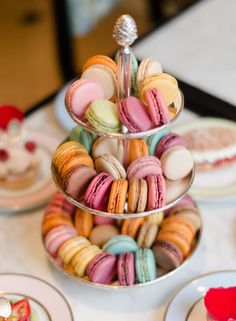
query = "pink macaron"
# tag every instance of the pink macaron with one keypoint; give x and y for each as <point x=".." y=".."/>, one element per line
<point x="143" y="167"/>
<point x="156" y="192"/>
<point x="126" y="269"/>
<point x="102" y="268"/>
<point x="57" y="236"/>
<point x="98" y="191"/>
<point x="59" y="204"/>
<point x="133" y="114"/>
<point x="80" y="94"/>
<point x="157" y="108"/>
<point x="169" y="141"/>
<point x="185" y="201"/>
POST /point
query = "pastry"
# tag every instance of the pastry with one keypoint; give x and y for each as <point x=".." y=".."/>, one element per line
<point x="126" y="269"/>
<point x="147" y="67"/>
<point x="137" y="195"/>
<point x="156" y="192"/>
<point x="117" y="198"/>
<point x="120" y="244"/>
<point x="83" y="222"/>
<point x="168" y="141"/>
<point x="145" y="265"/>
<point x="103" y="116"/>
<point x="111" y="146"/>
<point x="147" y="234"/>
<point x="167" y="254"/>
<point x="80" y="94"/>
<point x="132" y="226"/>
<point x="144" y="166"/>
<point x="107" y="163"/>
<point x="82" y="136"/>
<point x="100" y="234"/>
<point x="134" y="149"/>
<point x="156" y="106"/>
<point x="102" y="268"/>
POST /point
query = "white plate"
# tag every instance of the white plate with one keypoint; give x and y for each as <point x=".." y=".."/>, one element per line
<point x="46" y="302"/>
<point x="215" y="184"/>
<point x="40" y="192"/>
<point x="188" y="304"/>
<point x="60" y="110"/>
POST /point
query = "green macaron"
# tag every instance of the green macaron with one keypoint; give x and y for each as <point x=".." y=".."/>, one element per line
<point x="153" y="140"/>
<point x="145" y="265"/>
<point x="82" y="136"/>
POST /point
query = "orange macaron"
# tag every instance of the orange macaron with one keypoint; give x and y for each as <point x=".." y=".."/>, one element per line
<point x="117" y="198"/>
<point x="83" y="222"/>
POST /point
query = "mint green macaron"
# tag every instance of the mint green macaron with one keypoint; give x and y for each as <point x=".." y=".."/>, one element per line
<point x="82" y="136"/>
<point x="145" y="265"/>
<point x="118" y="244"/>
<point x="153" y="140"/>
<point x="103" y="115"/>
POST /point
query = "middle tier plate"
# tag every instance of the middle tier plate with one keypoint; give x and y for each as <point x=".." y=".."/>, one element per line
<point x="183" y="189"/>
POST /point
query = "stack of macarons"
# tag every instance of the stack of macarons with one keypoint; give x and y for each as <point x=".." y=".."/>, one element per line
<point x="123" y="176"/>
<point x="107" y="251"/>
<point x="93" y="97"/>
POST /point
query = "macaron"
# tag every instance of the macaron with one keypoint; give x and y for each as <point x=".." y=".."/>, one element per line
<point x="168" y="141"/>
<point x="155" y="218"/>
<point x="54" y="220"/>
<point x="137" y="195"/>
<point x="120" y="244"/>
<point x="103" y="116"/>
<point x="190" y="213"/>
<point x="133" y="114"/>
<point x="147" y="234"/>
<point x="153" y="140"/>
<point x="145" y="265"/>
<point x="117" y="198"/>
<point x="80" y="94"/>
<point x="83" y="257"/>
<point x="135" y="148"/>
<point x="76" y="180"/>
<point x="131" y="226"/>
<point x="98" y="191"/>
<point x="57" y="236"/>
<point x="100" y="234"/>
<point x="147" y="67"/>
<point x="102" y="268"/>
<point x="174" y="189"/>
<point x="167" y="254"/>
<point x="157" y="108"/>
<point x="99" y="220"/>
<point x="103" y="70"/>
<point x="82" y="136"/>
<point x="70" y="248"/>
<point x="107" y="163"/>
<point x="185" y="201"/>
<point x="176" y="170"/>
<point x="126" y="269"/>
<point x="167" y="85"/>
<point x="83" y="222"/>
<point x="156" y="192"/>
<point x="107" y="145"/>
<point x="177" y="219"/>
<point x="143" y="167"/>
<point x="59" y="204"/>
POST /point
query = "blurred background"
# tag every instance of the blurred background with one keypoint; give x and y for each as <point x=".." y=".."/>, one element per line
<point x="44" y="43"/>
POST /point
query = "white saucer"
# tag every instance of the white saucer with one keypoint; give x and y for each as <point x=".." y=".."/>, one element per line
<point x="40" y="192"/>
<point x="46" y="302"/>
<point x="60" y="110"/>
<point x="188" y="303"/>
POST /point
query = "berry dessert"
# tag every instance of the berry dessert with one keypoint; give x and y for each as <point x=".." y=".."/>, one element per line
<point x="19" y="161"/>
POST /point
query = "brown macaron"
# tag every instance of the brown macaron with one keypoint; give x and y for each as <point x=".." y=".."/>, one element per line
<point x="147" y="234"/>
<point x="131" y="226"/>
<point x="137" y="195"/>
<point x="100" y="234"/>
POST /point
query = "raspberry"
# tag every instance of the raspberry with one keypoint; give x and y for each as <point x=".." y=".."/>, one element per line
<point x="30" y="146"/>
<point x="3" y="155"/>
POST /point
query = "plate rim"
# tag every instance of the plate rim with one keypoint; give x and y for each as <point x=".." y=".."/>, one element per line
<point x="30" y="276"/>
<point x="201" y="276"/>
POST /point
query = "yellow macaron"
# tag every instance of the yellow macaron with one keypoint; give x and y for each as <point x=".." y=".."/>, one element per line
<point x="71" y="247"/>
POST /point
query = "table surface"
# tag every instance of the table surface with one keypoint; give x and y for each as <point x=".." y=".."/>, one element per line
<point x="198" y="47"/>
<point x="22" y="251"/>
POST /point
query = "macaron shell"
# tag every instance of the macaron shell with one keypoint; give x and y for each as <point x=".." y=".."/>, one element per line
<point x="103" y="116"/>
<point x="147" y="67"/>
<point x="126" y="269"/>
<point x="145" y="265"/>
<point x="120" y="244"/>
<point x="80" y="94"/>
<point x="179" y="220"/>
<point x="155" y="218"/>
<point x="136" y="148"/>
<point x="181" y="228"/>
<point x="117" y="198"/>
<point x="83" y="222"/>
<point x="156" y="192"/>
<point x="167" y="255"/>
<point x="100" y="234"/>
<point x="168" y="141"/>
<point x="167" y="85"/>
<point x="153" y="140"/>
<point x="102" y="268"/>
<point x="102" y="75"/>
<point x="101" y="60"/>
<point x="147" y="234"/>
<point x="137" y="195"/>
<point x="143" y="167"/>
<point x="71" y="247"/>
<point x="192" y="217"/>
<point x="106" y="145"/>
<point x="131" y="226"/>
<point x="157" y="108"/>
<point x="176" y="170"/>
<point x="56" y="220"/>
<point x="110" y="165"/>
<point x="99" y="220"/>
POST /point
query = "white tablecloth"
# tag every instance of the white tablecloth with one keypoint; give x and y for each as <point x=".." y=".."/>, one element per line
<point x="22" y="251"/>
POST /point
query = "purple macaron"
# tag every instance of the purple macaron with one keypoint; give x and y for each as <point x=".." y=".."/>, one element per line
<point x="126" y="269"/>
<point x="169" y="141"/>
<point x="156" y="192"/>
<point x="157" y="108"/>
<point x="102" y="268"/>
<point x="144" y="166"/>
<point x="133" y="114"/>
<point x="167" y="255"/>
<point x="98" y="191"/>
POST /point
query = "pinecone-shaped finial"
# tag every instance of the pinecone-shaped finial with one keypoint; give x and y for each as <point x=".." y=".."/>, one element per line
<point x="125" y="30"/>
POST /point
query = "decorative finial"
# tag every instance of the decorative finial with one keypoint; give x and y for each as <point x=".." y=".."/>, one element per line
<point x="125" y="30"/>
